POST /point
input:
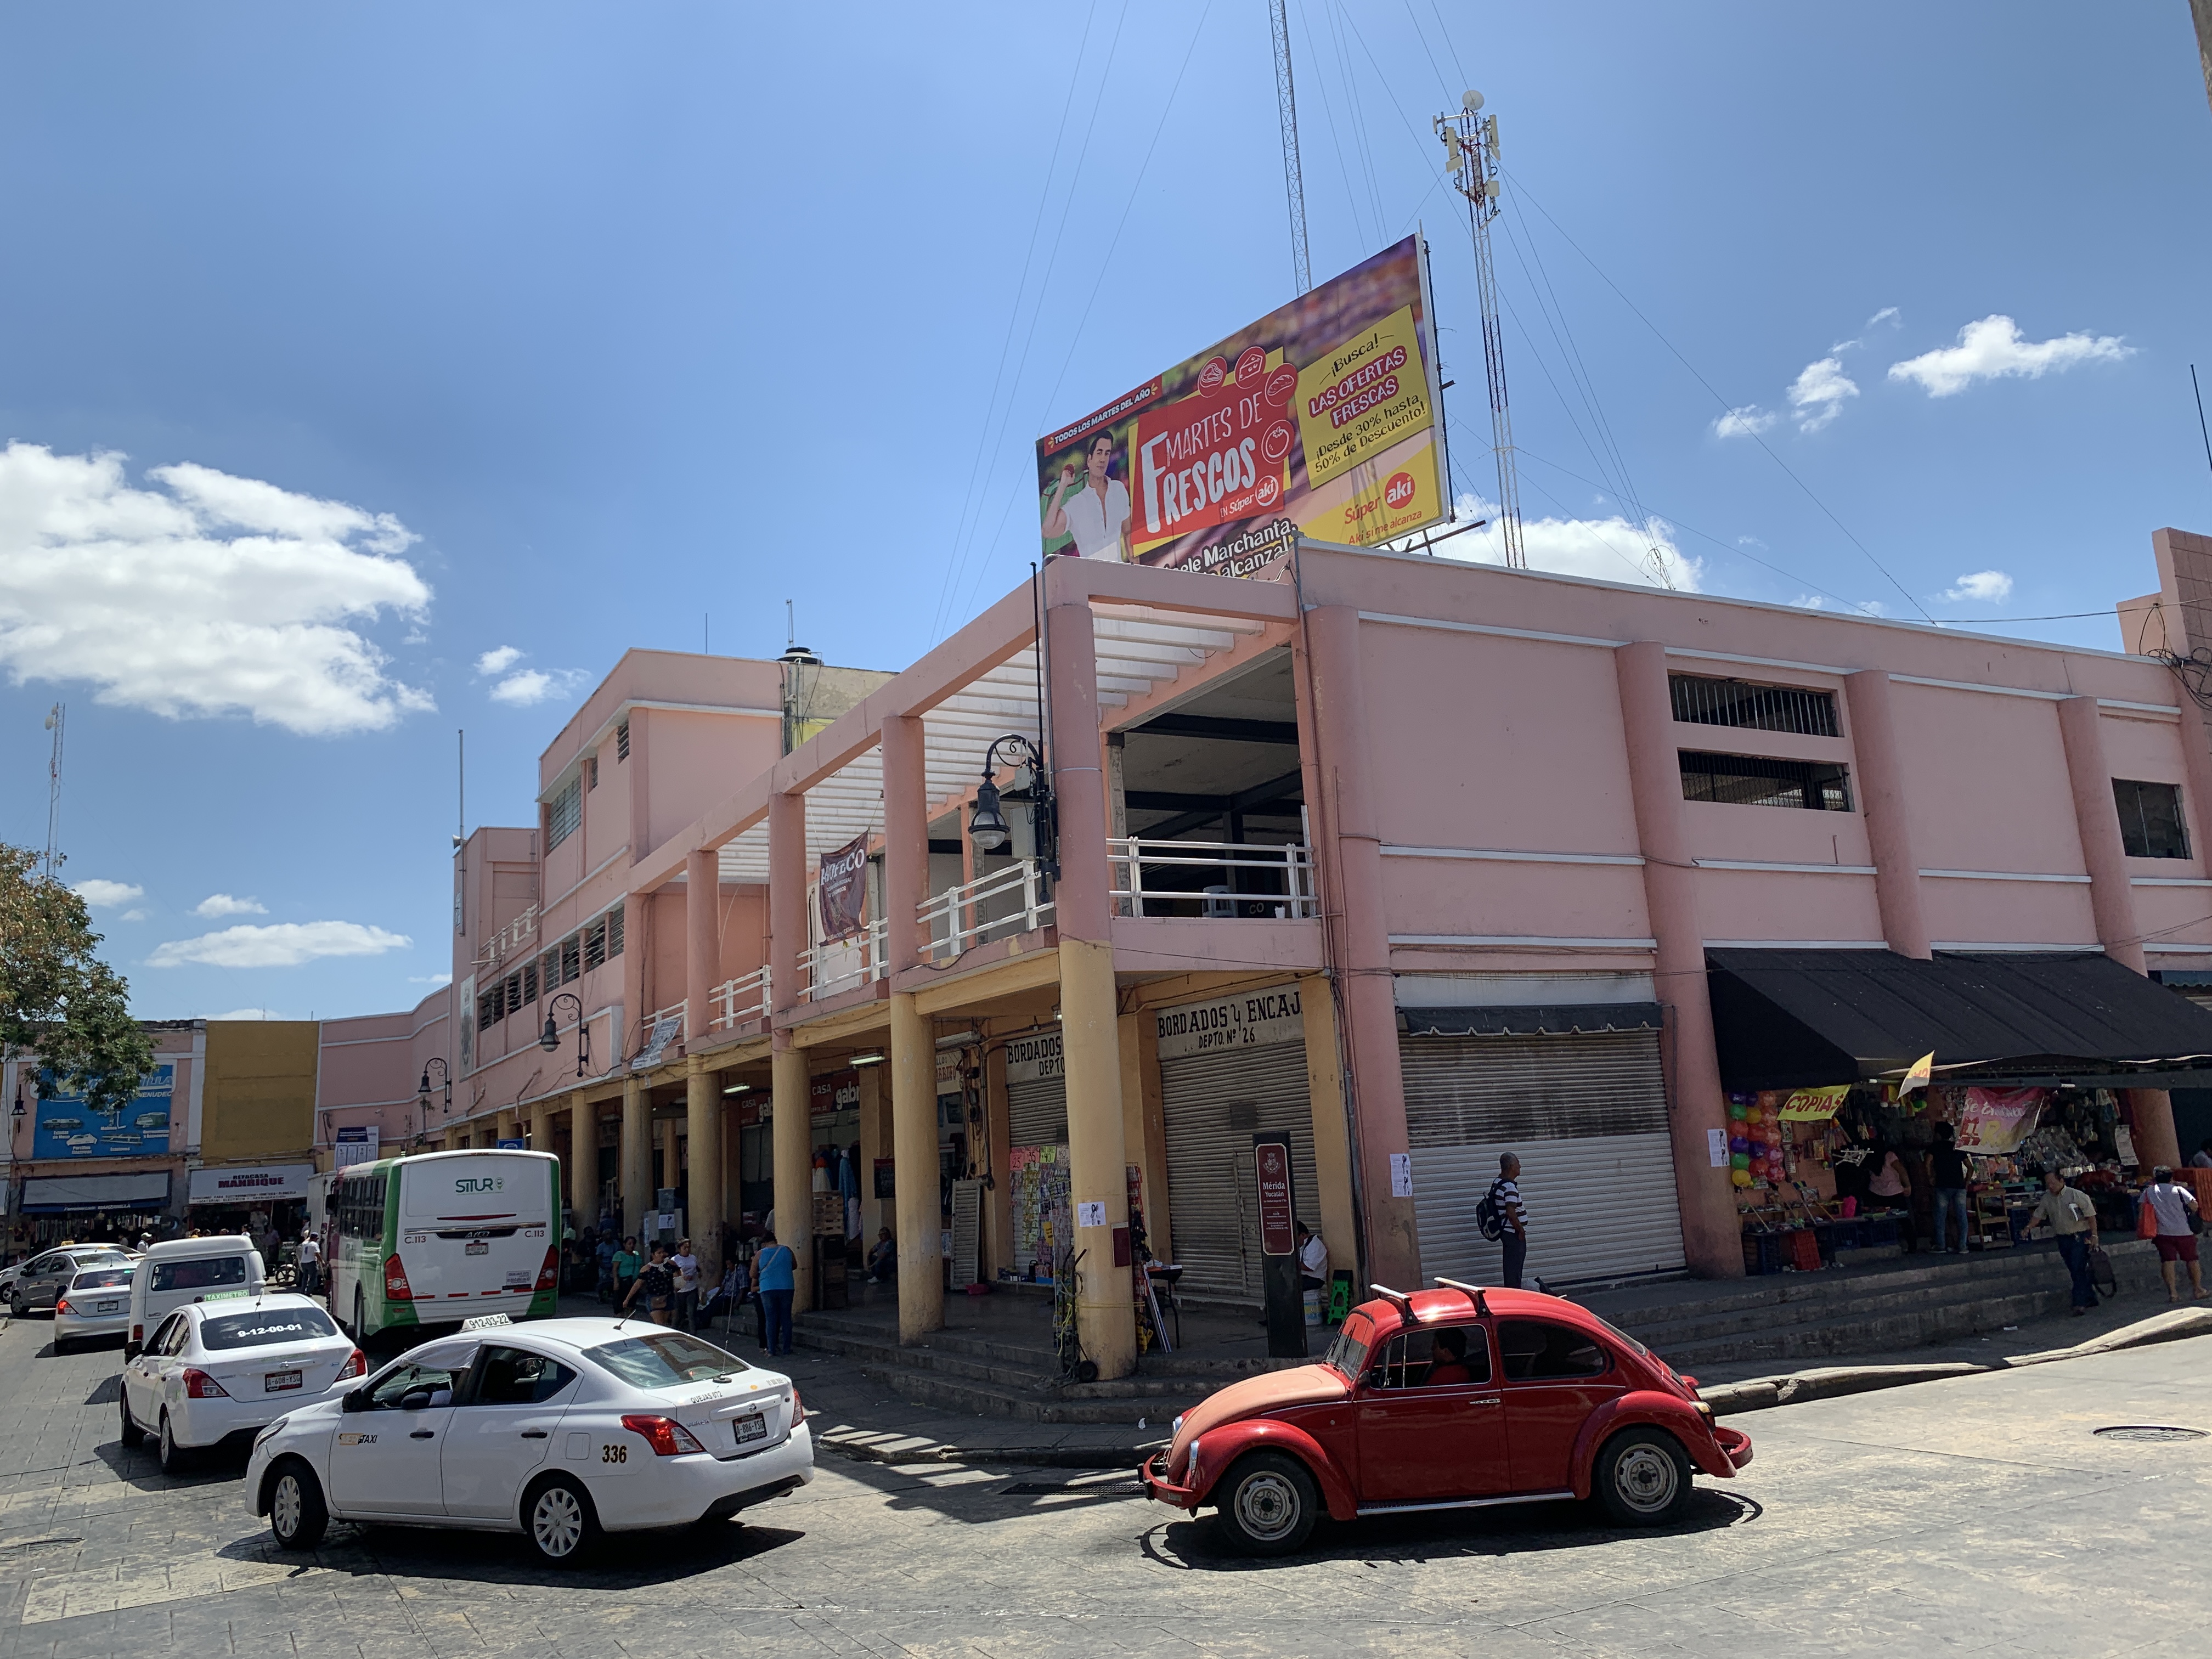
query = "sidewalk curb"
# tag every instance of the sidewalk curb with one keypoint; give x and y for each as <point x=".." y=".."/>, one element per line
<point x="1835" y="1381"/>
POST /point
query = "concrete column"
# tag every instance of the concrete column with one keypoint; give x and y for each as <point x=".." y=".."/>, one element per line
<point x="702" y="1112"/>
<point x="583" y="1172"/>
<point x="1096" y="1158"/>
<point x="794" y="1193"/>
<point x="787" y="896"/>
<point x="541" y="1126"/>
<point x="1137" y="1039"/>
<point x="914" y="1154"/>
<point x="875" y="1143"/>
<point x="635" y="1170"/>
<point x="1331" y="1131"/>
<point x="508" y="1126"/>
<point x="669" y="1170"/>
<point x="1711" y="1232"/>
<point x="906" y="844"/>
<point x="998" y="1202"/>
<point x="2112" y="898"/>
<point x="1080" y="906"/>
<point x="1886" y="805"/>
<point x="702" y="949"/>
<point x="1353" y="851"/>
<point x="2185" y="563"/>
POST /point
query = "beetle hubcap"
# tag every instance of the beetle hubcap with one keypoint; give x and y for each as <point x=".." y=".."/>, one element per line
<point x="557" y="1521"/>
<point x="286" y="1509"/>
<point x="1267" y="1506"/>
<point x="1646" y="1479"/>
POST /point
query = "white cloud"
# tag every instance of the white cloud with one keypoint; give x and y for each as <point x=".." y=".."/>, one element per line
<point x="209" y="595"/>
<point x="247" y="1013"/>
<point x="1611" y="549"/>
<point x="1818" y="393"/>
<point x="1747" y="422"/>
<point x="279" y="944"/>
<point x="429" y="979"/>
<point x="1887" y="314"/>
<point x="499" y="660"/>
<point x="1979" y="586"/>
<point x="1822" y="602"/>
<point x="134" y="916"/>
<point x="534" y="685"/>
<point x="1992" y="349"/>
<point x="102" y="893"/>
<point x="222" y="904"/>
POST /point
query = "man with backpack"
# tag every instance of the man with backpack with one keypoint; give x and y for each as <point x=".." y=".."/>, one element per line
<point x="1501" y="1216"/>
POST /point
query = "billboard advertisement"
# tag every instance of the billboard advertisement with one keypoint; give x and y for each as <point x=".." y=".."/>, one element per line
<point x="1320" y="418"/>
<point x="68" y="1127"/>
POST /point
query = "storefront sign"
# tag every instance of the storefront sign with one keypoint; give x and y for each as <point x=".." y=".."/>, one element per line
<point x="1253" y="1020"/>
<point x="1996" y="1121"/>
<point x="355" y="1145"/>
<point x="842" y="890"/>
<point x="265" y="1185"/>
<point x="68" y="1127"/>
<point x="1271" y="1171"/>
<point x="140" y="1193"/>
<point x="1814" y="1105"/>
<point x="840" y="1091"/>
<point x="1031" y="1058"/>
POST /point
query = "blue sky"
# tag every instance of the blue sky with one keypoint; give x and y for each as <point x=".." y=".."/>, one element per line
<point x="364" y="342"/>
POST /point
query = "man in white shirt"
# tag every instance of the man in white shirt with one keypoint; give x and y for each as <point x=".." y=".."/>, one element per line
<point x="686" y="1267"/>
<point x="1313" y="1259"/>
<point x="1094" y="509"/>
<point x="311" y="1263"/>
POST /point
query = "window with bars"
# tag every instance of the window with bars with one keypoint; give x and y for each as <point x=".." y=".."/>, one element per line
<point x="1762" y="781"/>
<point x="572" y="958"/>
<point x="622" y="741"/>
<point x="1704" y="701"/>
<point x="564" y="814"/>
<point x="595" y="945"/>
<point x="530" y="981"/>
<point x="513" y="989"/>
<point x="592" y="773"/>
<point x="2151" y="824"/>
<point x="615" y="931"/>
<point x="491" y="1008"/>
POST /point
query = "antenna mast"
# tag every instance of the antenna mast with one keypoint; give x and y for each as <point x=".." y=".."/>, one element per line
<point x="1286" y="112"/>
<point x="54" y="719"/>
<point x="1471" y="154"/>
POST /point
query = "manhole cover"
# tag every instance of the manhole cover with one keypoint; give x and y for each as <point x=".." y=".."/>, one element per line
<point x="2148" y="1431"/>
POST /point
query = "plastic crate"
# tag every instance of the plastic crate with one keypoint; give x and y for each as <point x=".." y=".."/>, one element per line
<point x="1802" y="1250"/>
<point x="1879" y="1230"/>
<point x="1849" y="1234"/>
<point x="1762" y="1253"/>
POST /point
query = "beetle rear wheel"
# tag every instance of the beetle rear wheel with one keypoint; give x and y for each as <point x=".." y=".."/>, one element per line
<point x="1268" y="1504"/>
<point x="1643" y="1477"/>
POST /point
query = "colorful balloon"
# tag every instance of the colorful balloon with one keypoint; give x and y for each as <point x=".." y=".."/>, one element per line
<point x="1740" y="1177"/>
<point x="1741" y="1161"/>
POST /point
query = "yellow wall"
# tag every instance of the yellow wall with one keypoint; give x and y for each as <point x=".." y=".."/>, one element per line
<point x="259" y="1100"/>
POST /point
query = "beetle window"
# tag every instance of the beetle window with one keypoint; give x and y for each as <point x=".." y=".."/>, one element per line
<point x="1537" y="1351"/>
<point x="1411" y="1355"/>
<point x="1348" y="1352"/>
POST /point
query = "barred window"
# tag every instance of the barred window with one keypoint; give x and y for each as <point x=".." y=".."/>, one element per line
<point x="491" y="1008"/>
<point x="615" y="931"/>
<point x="592" y="773"/>
<point x="548" y="971"/>
<point x="564" y="814"/>
<point x="1762" y="781"/>
<point x="572" y="958"/>
<point x="530" y="981"/>
<point x="513" y="989"/>
<point x="2151" y="824"/>
<point x="622" y="741"/>
<point x="595" y="945"/>
<point x="1703" y="702"/>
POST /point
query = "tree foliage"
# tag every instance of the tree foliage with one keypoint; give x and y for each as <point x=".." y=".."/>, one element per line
<point x="57" y="997"/>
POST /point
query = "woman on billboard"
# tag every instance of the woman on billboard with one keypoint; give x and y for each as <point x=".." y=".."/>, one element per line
<point x="1094" y="509"/>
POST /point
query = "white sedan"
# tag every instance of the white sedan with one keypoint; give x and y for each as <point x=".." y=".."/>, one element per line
<point x="559" y="1429"/>
<point x="226" y="1366"/>
<point x="96" y="1303"/>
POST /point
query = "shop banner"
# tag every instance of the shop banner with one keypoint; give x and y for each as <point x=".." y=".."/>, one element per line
<point x="839" y="1091"/>
<point x="842" y="890"/>
<point x="1996" y="1121"/>
<point x="1320" y="417"/>
<point x="1814" y="1105"/>
<point x="1031" y="1058"/>
<point x="1255" y="1020"/>
<point x="266" y="1185"/>
<point x="68" y="1127"/>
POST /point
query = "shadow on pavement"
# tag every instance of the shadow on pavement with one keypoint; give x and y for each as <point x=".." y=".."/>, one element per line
<point x="623" y="1561"/>
<point x="142" y="1470"/>
<point x="108" y="1391"/>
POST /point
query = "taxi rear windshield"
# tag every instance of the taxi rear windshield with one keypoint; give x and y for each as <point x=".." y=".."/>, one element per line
<point x="198" y="1273"/>
<point x="665" y="1360"/>
<point x="254" y="1330"/>
<point x="100" y="1278"/>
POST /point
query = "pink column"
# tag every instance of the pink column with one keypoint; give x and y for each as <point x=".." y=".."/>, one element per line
<point x="1361" y="940"/>
<point x="906" y="840"/>
<point x="1884" y="802"/>
<point x="2112" y="899"/>
<point x="787" y="894"/>
<point x="1712" y="1234"/>
<point x="1080" y="908"/>
<point x="702" y="940"/>
<point x="2185" y="564"/>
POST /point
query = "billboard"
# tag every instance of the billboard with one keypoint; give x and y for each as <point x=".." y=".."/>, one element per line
<point x="67" y="1126"/>
<point x="1321" y="417"/>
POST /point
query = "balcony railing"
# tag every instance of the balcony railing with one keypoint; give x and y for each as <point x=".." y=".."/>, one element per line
<point x="826" y="969"/>
<point x="960" y="918"/>
<point x="736" y="1000"/>
<point x="1212" y="879"/>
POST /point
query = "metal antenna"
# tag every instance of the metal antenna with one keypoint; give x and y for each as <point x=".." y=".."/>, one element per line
<point x="790" y="626"/>
<point x="460" y="788"/>
<point x="1471" y="154"/>
<point x="54" y="721"/>
<point x="2202" y="432"/>
<point x="1286" y="112"/>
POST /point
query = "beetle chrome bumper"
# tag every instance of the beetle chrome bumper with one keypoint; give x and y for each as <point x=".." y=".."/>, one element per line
<point x="1736" y="1443"/>
<point x="1157" y="1485"/>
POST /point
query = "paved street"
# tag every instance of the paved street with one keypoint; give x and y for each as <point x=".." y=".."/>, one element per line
<point x="1981" y="1514"/>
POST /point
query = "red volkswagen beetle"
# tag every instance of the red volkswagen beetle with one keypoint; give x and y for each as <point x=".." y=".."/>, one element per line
<point x="1457" y="1398"/>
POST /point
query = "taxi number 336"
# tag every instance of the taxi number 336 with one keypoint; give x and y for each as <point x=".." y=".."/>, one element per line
<point x="614" y="1454"/>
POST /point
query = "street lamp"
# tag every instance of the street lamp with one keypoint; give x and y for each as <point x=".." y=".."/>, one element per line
<point x="422" y="1097"/>
<point x="549" y="1038"/>
<point x="987" y="827"/>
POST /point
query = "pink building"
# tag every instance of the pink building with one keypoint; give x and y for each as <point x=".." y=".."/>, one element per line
<point x="1406" y="861"/>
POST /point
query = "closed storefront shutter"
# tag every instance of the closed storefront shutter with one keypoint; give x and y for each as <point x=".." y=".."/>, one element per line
<point x="1586" y="1114"/>
<point x="1214" y="1103"/>
<point x="1036" y="1112"/>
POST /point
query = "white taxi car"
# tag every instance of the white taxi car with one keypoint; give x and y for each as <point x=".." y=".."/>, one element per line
<point x="226" y="1366"/>
<point x="96" y="1303"/>
<point x="557" y="1429"/>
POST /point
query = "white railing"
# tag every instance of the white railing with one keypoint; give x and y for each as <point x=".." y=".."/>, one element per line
<point x="517" y="935"/>
<point x="841" y="964"/>
<point x="675" y="1011"/>
<point x="954" y="919"/>
<point x="1217" y="878"/>
<point x="735" y="1000"/>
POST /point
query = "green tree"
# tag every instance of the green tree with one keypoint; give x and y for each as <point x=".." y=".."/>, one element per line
<point x="57" y="997"/>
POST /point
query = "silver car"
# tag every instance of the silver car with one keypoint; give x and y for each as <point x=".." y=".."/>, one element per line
<point x="46" y="1275"/>
<point x="96" y="1303"/>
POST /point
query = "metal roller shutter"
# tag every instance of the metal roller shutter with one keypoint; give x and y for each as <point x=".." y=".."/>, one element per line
<point x="1214" y="1102"/>
<point x="1587" y="1116"/>
<point x="1036" y="1112"/>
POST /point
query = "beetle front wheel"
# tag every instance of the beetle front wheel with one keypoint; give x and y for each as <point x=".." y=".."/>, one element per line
<point x="1268" y="1504"/>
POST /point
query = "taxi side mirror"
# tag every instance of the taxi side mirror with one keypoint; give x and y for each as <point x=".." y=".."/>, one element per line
<point x="355" y="1399"/>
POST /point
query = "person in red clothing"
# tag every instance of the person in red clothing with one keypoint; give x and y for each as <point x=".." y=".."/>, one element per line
<point x="1450" y="1364"/>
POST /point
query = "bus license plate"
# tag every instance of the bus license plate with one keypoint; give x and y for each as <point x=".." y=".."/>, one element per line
<point x="754" y="1427"/>
<point x="105" y="1307"/>
<point x="477" y="1247"/>
<point x="278" y="1382"/>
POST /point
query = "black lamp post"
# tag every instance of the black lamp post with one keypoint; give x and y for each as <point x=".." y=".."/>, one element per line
<point x="549" y="1038"/>
<point x="422" y="1097"/>
<point x="987" y="826"/>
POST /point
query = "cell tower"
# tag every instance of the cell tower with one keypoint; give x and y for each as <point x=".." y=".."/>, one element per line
<point x="54" y="721"/>
<point x="1471" y="154"/>
<point x="1286" y="112"/>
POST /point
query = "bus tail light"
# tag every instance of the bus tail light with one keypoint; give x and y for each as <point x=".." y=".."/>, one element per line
<point x="357" y="1366"/>
<point x="396" y="1288"/>
<point x="549" y="1276"/>
<point x="199" y="1385"/>
<point x="667" y="1437"/>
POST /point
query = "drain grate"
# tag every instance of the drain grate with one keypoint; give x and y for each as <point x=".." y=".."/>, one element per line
<point x="2148" y="1431"/>
<point x="1044" y="1488"/>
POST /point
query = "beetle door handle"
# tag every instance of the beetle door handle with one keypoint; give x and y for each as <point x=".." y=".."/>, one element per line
<point x="1492" y="1401"/>
<point x="534" y="1434"/>
<point x="423" y="1434"/>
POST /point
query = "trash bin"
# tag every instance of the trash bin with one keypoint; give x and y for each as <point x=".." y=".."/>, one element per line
<point x="1312" y="1308"/>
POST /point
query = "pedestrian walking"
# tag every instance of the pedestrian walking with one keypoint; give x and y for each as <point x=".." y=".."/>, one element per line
<point x="655" y="1286"/>
<point x="311" y="1262"/>
<point x="604" y="1263"/>
<point x="776" y="1271"/>
<point x="1949" y="1173"/>
<point x="687" y="1285"/>
<point x="626" y="1263"/>
<point x="1512" y="1216"/>
<point x="2069" y="1214"/>
<point x="2174" y="1208"/>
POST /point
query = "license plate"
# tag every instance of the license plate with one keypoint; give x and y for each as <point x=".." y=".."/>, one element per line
<point x="479" y="1248"/>
<point x="754" y="1427"/>
<point x="278" y="1382"/>
<point x="105" y="1307"/>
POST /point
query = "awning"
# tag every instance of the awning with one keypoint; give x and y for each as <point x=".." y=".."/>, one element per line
<point x="97" y="1192"/>
<point x="246" y="1184"/>
<point x="1553" y="1019"/>
<point x="1791" y="1019"/>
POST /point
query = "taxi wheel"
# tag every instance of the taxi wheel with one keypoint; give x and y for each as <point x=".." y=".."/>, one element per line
<point x="131" y="1434"/>
<point x="15" y="1303"/>
<point x="297" y="1515"/>
<point x="558" y="1519"/>
<point x="174" y="1458"/>
<point x="1268" y="1504"/>
<point x="1643" y="1478"/>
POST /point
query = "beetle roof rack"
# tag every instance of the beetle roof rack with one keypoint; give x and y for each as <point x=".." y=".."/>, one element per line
<point x="1397" y="1299"/>
<point x="1471" y="1292"/>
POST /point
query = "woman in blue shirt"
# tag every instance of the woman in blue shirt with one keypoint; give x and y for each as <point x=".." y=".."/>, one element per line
<point x="778" y="1269"/>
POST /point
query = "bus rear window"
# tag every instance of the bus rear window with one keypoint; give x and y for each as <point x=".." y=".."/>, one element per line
<point x="667" y="1360"/>
<point x="198" y="1273"/>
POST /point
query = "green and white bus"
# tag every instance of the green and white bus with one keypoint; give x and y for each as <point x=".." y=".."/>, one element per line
<point x="442" y="1236"/>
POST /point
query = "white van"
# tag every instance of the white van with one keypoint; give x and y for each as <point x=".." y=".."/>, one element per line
<point x="185" y="1270"/>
